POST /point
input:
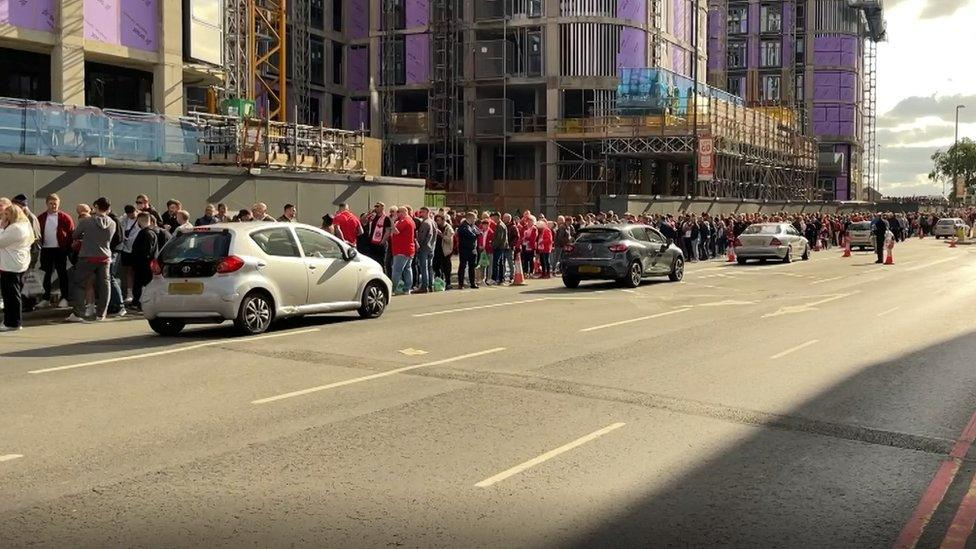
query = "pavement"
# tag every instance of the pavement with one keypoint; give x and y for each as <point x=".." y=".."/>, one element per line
<point x="826" y="403"/>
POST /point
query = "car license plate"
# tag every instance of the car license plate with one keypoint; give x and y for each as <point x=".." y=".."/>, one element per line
<point x="589" y="269"/>
<point x="186" y="288"/>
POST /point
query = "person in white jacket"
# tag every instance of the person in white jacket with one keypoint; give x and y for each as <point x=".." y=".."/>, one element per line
<point x="15" y="244"/>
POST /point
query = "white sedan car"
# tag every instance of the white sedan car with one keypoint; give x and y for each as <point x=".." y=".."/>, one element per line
<point x="771" y="241"/>
<point x="947" y="227"/>
<point x="255" y="273"/>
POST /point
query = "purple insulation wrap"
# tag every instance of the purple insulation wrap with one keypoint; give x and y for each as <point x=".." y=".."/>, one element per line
<point x="357" y="69"/>
<point x="418" y="58"/>
<point x="417" y="13"/>
<point x="30" y="14"/>
<point x="632" y="10"/>
<point x="633" y="44"/>
<point x="130" y="23"/>
<point x="357" y="19"/>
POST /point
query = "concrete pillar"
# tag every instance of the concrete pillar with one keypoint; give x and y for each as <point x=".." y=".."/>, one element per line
<point x="548" y="192"/>
<point x="375" y="75"/>
<point x="471" y="172"/>
<point x="68" y="55"/>
<point x="684" y="180"/>
<point x="486" y="179"/>
<point x="168" y="72"/>
<point x="647" y="176"/>
<point x="665" y="178"/>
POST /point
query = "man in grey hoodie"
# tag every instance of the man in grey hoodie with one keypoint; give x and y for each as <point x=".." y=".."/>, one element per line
<point x="96" y="235"/>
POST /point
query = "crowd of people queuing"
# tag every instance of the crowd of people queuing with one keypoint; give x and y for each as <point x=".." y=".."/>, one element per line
<point x="103" y="260"/>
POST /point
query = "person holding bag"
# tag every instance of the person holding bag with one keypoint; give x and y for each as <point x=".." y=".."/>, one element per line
<point x="16" y="240"/>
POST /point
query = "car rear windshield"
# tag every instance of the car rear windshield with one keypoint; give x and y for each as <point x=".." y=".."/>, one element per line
<point x="947" y="221"/>
<point x="599" y="235"/>
<point x="196" y="246"/>
<point x="862" y="226"/>
<point x="762" y="229"/>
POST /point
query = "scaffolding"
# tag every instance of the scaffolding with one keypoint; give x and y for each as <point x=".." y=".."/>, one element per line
<point x="236" y="83"/>
<point x="300" y="72"/>
<point x="443" y="102"/>
<point x="869" y="154"/>
<point x="389" y="47"/>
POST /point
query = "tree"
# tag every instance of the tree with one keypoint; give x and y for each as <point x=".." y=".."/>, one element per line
<point x="958" y="160"/>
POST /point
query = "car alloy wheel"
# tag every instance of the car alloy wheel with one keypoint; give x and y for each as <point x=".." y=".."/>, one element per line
<point x="255" y="315"/>
<point x="635" y="275"/>
<point x="678" y="272"/>
<point x="374" y="301"/>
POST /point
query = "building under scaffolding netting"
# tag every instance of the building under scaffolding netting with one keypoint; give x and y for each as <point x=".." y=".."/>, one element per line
<point x="652" y="130"/>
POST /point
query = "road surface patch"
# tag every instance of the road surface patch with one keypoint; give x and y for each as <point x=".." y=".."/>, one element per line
<point x="524" y="466"/>
<point x="632" y="320"/>
<point x="170" y="351"/>
<point x="794" y="349"/>
<point x="371" y="377"/>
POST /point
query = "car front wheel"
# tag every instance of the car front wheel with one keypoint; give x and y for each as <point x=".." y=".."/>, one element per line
<point x="375" y="300"/>
<point x="167" y="326"/>
<point x="255" y="314"/>
<point x="677" y="270"/>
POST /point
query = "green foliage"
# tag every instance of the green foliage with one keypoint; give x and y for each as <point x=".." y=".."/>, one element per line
<point x="959" y="159"/>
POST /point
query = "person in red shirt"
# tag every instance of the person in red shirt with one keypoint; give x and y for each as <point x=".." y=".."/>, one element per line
<point x="349" y="225"/>
<point x="403" y="247"/>
<point x="544" y="247"/>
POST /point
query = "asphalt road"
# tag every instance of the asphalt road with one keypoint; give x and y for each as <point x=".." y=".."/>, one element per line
<point x="806" y="405"/>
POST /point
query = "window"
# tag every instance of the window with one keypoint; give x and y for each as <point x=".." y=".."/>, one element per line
<point x="801" y="50"/>
<point x="737" y="55"/>
<point x="337" y="101"/>
<point x="771" y="18"/>
<point x="396" y="74"/>
<point x="194" y="246"/>
<point x="26" y="75"/>
<point x="111" y="87"/>
<point x="733" y="85"/>
<point x="639" y="233"/>
<point x="800" y="92"/>
<point x="770" y="53"/>
<point x="801" y="16"/>
<point x="317" y="245"/>
<point x="316" y="60"/>
<point x="770" y="87"/>
<point x="314" y="111"/>
<point x="655" y="237"/>
<point x="337" y="51"/>
<point x="337" y="15"/>
<point x="316" y="13"/>
<point x="277" y="242"/>
<point x="738" y="21"/>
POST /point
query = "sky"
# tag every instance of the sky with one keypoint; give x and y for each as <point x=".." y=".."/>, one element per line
<point x="925" y="68"/>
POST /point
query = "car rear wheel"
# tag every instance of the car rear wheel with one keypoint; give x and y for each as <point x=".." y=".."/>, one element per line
<point x="255" y="314"/>
<point x="634" y="275"/>
<point x="571" y="281"/>
<point x="677" y="270"/>
<point x="167" y="326"/>
<point x="375" y="300"/>
<point x="806" y="254"/>
<point x="740" y="260"/>
<point x="788" y="258"/>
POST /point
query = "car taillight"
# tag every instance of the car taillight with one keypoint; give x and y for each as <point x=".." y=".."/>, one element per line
<point x="617" y="248"/>
<point x="229" y="264"/>
<point x="156" y="270"/>
<point x="775" y="242"/>
<point x="736" y="243"/>
<point x="569" y="248"/>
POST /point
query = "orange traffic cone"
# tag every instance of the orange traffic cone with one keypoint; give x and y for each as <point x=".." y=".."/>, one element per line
<point x="731" y="255"/>
<point x="816" y="245"/>
<point x="952" y="242"/>
<point x="890" y="260"/>
<point x="518" y="279"/>
<point x="847" y="247"/>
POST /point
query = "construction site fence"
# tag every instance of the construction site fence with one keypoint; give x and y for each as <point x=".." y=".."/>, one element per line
<point x="41" y="128"/>
<point x="52" y="129"/>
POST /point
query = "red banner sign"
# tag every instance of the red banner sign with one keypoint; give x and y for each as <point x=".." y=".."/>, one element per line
<point x="706" y="158"/>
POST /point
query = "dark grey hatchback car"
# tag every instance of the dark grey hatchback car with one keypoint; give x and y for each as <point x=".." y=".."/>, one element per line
<point x="625" y="253"/>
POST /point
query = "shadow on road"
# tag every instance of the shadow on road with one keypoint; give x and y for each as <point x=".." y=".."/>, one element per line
<point x="844" y="469"/>
<point x="149" y="342"/>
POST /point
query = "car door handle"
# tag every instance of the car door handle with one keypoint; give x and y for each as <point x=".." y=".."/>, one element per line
<point x="311" y="267"/>
<point x="262" y="264"/>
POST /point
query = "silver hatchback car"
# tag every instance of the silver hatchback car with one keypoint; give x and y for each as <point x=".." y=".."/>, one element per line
<point x="255" y="273"/>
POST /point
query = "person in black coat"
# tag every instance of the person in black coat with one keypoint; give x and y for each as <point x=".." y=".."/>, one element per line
<point x="467" y="235"/>
<point x="879" y="228"/>
<point x="144" y="250"/>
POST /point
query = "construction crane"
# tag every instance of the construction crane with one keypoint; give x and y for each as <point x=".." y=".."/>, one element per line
<point x="255" y="55"/>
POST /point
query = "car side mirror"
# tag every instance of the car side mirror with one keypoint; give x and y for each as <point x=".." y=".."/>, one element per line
<point x="670" y="241"/>
<point x="350" y="253"/>
<point x="664" y="247"/>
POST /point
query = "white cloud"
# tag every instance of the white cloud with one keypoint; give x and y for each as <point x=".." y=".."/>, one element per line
<point x="922" y="75"/>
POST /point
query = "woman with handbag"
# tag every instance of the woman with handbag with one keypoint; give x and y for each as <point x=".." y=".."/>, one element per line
<point x="15" y="256"/>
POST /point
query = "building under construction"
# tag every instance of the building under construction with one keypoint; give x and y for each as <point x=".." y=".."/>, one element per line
<point x="545" y="104"/>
